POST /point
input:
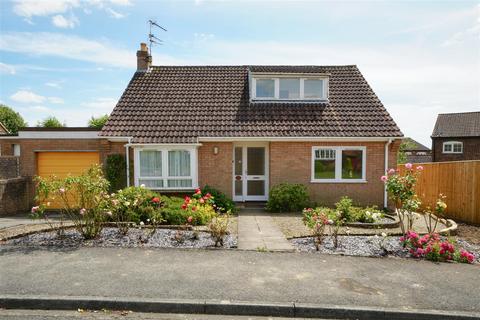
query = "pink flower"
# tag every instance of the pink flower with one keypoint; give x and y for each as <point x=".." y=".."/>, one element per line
<point x="189" y="219"/>
<point x="391" y="171"/>
<point x="194" y="208"/>
<point x="198" y="191"/>
<point x="408" y="166"/>
<point x="115" y="202"/>
<point x="384" y="178"/>
<point x="201" y="200"/>
<point x="35" y="209"/>
<point x="83" y="211"/>
<point x="61" y="190"/>
<point x="420" y="168"/>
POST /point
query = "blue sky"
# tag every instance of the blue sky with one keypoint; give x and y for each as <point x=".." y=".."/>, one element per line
<point x="73" y="59"/>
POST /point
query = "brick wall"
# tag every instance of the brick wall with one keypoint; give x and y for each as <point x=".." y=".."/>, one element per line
<point x="471" y="149"/>
<point x="291" y="162"/>
<point x="216" y="170"/>
<point x="9" y="167"/>
<point x="15" y="196"/>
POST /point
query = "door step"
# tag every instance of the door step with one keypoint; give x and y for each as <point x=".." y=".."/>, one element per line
<point x="251" y="205"/>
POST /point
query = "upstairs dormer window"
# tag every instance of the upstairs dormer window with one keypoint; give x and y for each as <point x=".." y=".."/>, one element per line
<point x="288" y="88"/>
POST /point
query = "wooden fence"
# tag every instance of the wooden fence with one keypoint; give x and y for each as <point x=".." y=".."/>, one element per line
<point x="459" y="181"/>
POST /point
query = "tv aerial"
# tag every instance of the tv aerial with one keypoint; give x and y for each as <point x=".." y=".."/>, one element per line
<point x="151" y="37"/>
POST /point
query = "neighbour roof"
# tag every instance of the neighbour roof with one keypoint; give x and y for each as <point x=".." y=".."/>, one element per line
<point x="415" y="158"/>
<point x="466" y="124"/>
<point x="415" y="145"/>
<point x="58" y="129"/>
<point x="178" y="104"/>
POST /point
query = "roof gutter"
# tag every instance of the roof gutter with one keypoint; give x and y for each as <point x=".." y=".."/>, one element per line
<point x="320" y="139"/>
<point x="127" y="158"/>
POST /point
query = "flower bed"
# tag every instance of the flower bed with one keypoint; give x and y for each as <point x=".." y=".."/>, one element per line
<point x="385" y="222"/>
<point x="135" y="237"/>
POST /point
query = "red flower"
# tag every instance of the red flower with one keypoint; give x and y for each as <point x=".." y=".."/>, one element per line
<point x="184" y="206"/>
<point x="189" y="219"/>
<point x="198" y="191"/>
<point x="208" y="196"/>
<point x="187" y="198"/>
<point x="156" y="200"/>
<point x="194" y="208"/>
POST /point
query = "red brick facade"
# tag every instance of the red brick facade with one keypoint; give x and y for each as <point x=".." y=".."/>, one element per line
<point x="288" y="162"/>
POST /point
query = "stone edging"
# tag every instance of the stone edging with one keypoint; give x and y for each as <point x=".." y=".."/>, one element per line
<point x="294" y="309"/>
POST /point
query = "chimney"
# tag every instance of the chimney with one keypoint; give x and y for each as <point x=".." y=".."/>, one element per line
<point x="143" y="58"/>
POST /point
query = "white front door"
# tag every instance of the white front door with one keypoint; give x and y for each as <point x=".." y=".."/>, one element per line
<point x="250" y="172"/>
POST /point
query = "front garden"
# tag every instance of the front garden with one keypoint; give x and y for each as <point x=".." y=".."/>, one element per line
<point x="367" y="231"/>
<point x="90" y="215"/>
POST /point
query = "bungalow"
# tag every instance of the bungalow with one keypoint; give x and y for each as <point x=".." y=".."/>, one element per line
<point x="241" y="129"/>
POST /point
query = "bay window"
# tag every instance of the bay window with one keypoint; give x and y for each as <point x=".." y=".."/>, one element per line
<point x="166" y="167"/>
<point x="338" y="164"/>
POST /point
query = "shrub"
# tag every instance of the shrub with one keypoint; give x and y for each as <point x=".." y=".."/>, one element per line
<point x="219" y="228"/>
<point x="135" y="204"/>
<point x="84" y="199"/>
<point x="345" y="208"/>
<point x="317" y="219"/>
<point x="286" y="197"/>
<point x="176" y="210"/>
<point x="221" y="202"/>
<point x="350" y="213"/>
<point x="115" y="171"/>
<point x="432" y="247"/>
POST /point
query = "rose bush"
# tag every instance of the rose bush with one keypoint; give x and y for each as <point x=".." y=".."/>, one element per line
<point x="317" y="219"/>
<point x="432" y="247"/>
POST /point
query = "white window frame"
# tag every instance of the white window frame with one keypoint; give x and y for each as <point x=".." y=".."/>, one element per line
<point x="277" y="88"/>
<point x="338" y="164"/>
<point x="165" y="165"/>
<point x="16" y="149"/>
<point x="452" y="143"/>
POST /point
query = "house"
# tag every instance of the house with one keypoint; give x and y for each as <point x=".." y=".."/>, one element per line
<point x="456" y="136"/>
<point x="416" y="152"/>
<point x="241" y="129"/>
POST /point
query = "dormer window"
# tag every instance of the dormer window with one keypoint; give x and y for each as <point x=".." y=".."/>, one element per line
<point x="289" y="87"/>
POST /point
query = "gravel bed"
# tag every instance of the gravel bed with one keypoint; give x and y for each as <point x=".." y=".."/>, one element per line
<point x="110" y="237"/>
<point x="366" y="246"/>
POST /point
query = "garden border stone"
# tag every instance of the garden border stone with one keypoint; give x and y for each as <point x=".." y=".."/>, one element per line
<point x="382" y="225"/>
<point x="294" y="309"/>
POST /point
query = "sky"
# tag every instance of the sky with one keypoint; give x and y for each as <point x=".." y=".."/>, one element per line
<point x="72" y="59"/>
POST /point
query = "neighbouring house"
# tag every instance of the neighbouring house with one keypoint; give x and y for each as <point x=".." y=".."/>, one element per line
<point x="456" y="137"/>
<point x="416" y="152"/>
<point x="241" y="129"/>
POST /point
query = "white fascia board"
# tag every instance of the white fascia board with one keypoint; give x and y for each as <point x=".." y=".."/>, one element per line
<point x="58" y="135"/>
<point x="116" y="139"/>
<point x="321" y="139"/>
<point x="153" y="145"/>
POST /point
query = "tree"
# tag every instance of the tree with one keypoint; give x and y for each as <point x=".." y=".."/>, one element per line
<point x="98" y="122"/>
<point x="51" y="122"/>
<point x="10" y="119"/>
<point x="406" y="144"/>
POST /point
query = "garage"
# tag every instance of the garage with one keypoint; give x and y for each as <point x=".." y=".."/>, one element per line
<point x="62" y="164"/>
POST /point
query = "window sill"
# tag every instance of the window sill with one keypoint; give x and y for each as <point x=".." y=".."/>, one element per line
<point x="338" y="181"/>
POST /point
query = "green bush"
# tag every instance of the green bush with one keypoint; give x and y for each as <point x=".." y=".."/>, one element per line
<point x="345" y="207"/>
<point x="351" y="213"/>
<point x="135" y="204"/>
<point x="174" y="214"/>
<point x="222" y="203"/>
<point x="286" y="197"/>
<point x="115" y="171"/>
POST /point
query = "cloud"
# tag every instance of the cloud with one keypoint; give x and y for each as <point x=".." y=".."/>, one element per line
<point x="55" y="100"/>
<point x="114" y="14"/>
<point x="53" y="85"/>
<point x="66" y="46"/>
<point x="462" y="36"/>
<point x="62" y="22"/>
<point x="31" y="8"/>
<point x="25" y="96"/>
<point x="7" y="69"/>
<point x="40" y="108"/>
<point x="106" y="104"/>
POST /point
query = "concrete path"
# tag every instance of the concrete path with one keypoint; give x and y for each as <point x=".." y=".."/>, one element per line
<point x="23" y="219"/>
<point x="258" y="231"/>
<point x="235" y="275"/>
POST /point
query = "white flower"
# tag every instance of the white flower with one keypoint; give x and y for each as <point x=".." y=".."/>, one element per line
<point x="126" y="203"/>
<point x="142" y="186"/>
<point x="384" y="234"/>
<point x="148" y="220"/>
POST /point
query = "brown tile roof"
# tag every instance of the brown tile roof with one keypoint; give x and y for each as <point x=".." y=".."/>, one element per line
<point x="414" y="145"/>
<point x="466" y="124"/>
<point x="178" y="104"/>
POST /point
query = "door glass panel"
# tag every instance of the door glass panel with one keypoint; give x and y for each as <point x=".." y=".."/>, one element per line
<point x="256" y="187"/>
<point x="256" y="161"/>
<point x="238" y="171"/>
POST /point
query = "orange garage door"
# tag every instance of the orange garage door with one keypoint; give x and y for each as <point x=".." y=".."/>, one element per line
<point x="62" y="164"/>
